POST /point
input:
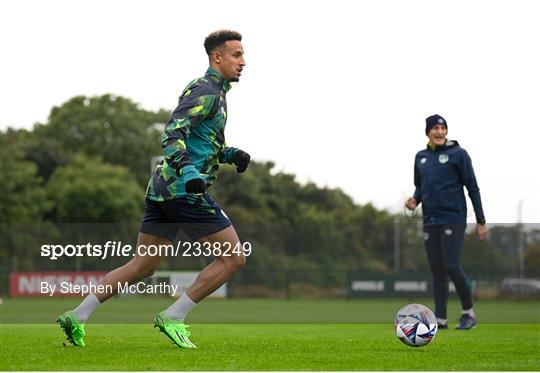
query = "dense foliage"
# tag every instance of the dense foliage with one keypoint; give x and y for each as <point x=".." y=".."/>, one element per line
<point x="90" y="162"/>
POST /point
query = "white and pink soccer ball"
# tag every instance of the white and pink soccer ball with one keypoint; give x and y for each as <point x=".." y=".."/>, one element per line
<point x="415" y="325"/>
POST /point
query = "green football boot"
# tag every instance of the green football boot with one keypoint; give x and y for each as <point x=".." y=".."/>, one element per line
<point x="73" y="329"/>
<point x="174" y="329"/>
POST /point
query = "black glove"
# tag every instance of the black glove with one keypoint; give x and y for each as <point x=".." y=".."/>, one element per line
<point x="194" y="182"/>
<point x="196" y="186"/>
<point x="241" y="159"/>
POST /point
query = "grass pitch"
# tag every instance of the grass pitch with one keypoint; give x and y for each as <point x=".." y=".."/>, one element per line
<point x="303" y="344"/>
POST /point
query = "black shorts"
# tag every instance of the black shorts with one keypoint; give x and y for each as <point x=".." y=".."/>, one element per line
<point x="198" y="217"/>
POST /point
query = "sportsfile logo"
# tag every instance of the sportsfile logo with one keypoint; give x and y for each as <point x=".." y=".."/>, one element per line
<point x="111" y="248"/>
<point x="117" y="249"/>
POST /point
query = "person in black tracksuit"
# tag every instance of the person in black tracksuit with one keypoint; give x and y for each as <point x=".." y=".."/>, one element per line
<point x="440" y="172"/>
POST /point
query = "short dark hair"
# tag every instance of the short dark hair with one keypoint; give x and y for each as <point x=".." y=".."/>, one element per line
<point x="218" y="38"/>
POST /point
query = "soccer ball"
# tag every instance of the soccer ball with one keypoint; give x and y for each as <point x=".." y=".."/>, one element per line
<point x="415" y="325"/>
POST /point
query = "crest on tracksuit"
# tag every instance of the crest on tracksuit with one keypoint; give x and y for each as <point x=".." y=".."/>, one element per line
<point x="443" y="158"/>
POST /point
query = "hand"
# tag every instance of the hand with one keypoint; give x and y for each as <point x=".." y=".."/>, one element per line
<point x="411" y="203"/>
<point x="241" y="159"/>
<point x="194" y="183"/>
<point x="197" y="186"/>
<point x="481" y="231"/>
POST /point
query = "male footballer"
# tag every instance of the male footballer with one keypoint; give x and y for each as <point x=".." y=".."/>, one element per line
<point x="193" y="147"/>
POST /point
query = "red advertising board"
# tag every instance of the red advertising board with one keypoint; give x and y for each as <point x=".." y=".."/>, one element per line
<point x="57" y="284"/>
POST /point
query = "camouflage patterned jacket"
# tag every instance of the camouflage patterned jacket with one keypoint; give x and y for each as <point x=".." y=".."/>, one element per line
<point x="194" y="136"/>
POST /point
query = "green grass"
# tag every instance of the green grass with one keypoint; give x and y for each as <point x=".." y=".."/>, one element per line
<point x="271" y="347"/>
<point x="140" y="310"/>
<point x="507" y="338"/>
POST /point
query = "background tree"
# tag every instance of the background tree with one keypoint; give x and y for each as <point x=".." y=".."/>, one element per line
<point x="81" y="176"/>
<point x="114" y="128"/>
<point x="532" y="260"/>
<point x="22" y="202"/>
<point x="88" y="190"/>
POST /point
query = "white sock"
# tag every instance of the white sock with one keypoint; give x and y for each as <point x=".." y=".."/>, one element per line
<point x="442" y="321"/>
<point x="469" y="312"/>
<point x="179" y="309"/>
<point x="87" y="306"/>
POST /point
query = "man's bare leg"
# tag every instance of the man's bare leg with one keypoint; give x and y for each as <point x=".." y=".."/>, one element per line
<point x="136" y="269"/>
<point x="212" y="276"/>
<point x="221" y="269"/>
<point x="171" y="321"/>
<point x="141" y="266"/>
